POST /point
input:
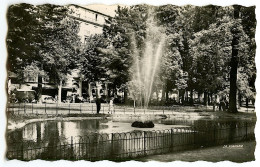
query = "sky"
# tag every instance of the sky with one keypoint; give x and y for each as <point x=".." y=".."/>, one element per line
<point x="106" y="9"/>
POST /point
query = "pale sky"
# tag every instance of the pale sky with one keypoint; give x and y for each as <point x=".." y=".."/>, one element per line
<point x="106" y="9"/>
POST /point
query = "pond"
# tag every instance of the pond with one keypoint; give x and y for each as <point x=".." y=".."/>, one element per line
<point x="55" y="129"/>
<point x="91" y="138"/>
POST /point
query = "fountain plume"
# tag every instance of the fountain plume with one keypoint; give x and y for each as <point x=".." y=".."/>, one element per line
<point x="146" y="63"/>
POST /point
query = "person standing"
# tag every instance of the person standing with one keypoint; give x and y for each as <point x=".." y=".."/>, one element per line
<point x="222" y="105"/>
<point x="111" y="106"/>
<point x="214" y="103"/>
<point x="98" y="103"/>
<point x="226" y="105"/>
<point x="98" y="99"/>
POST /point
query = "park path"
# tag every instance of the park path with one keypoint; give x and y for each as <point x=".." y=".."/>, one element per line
<point x="237" y="152"/>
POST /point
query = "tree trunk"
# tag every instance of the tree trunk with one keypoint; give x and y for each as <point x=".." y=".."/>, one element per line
<point x="234" y="65"/>
<point x="198" y="97"/>
<point x="210" y="98"/>
<point x="39" y="94"/>
<point x="163" y="94"/>
<point x="182" y="97"/>
<point x="186" y="96"/>
<point x="238" y="100"/>
<point x="205" y="98"/>
<point x="178" y="97"/>
<point x="80" y="87"/>
<point x="106" y="92"/>
<point x="191" y="96"/>
<point x="114" y="91"/>
<point x="109" y="91"/>
<point x="59" y="92"/>
<point x="180" y="100"/>
<point x="167" y="95"/>
<point x="157" y="95"/>
<point x="214" y="101"/>
<point x="125" y="96"/>
<point x="89" y="90"/>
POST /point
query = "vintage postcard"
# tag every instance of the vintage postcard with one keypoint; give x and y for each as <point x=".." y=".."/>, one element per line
<point x="139" y="82"/>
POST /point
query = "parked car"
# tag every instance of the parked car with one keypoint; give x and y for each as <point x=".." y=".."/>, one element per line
<point x="92" y="101"/>
<point x="24" y="95"/>
<point x="48" y="99"/>
<point x="119" y="99"/>
<point x="80" y="100"/>
<point x="34" y="101"/>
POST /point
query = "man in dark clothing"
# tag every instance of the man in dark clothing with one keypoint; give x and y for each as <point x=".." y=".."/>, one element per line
<point x="226" y="104"/>
<point x="98" y="103"/>
<point x="222" y="105"/>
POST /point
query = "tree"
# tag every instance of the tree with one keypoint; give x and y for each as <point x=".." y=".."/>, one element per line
<point x="172" y="63"/>
<point x="217" y="55"/>
<point x="180" y="21"/>
<point x="234" y="65"/>
<point x="245" y="29"/>
<point x="23" y="38"/>
<point x="61" y="43"/>
<point x="198" y="53"/>
<point x="248" y="62"/>
<point x="92" y="59"/>
<point x="196" y="19"/>
<point x="49" y="41"/>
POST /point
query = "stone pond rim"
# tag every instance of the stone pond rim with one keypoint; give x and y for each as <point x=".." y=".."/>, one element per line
<point x="146" y="124"/>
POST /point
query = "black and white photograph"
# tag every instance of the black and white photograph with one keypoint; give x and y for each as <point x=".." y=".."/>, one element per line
<point x="120" y="82"/>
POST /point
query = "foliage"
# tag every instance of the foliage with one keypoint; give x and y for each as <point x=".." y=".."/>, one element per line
<point x="92" y="60"/>
<point x="119" y="32"/>
<point x="41" y="36"/>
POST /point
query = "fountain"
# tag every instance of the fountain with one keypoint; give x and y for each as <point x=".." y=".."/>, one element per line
<point x="146" y="63"/>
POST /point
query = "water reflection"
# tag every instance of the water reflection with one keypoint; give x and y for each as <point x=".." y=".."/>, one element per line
<point x="47" y="130"/>
<point x="54" y="129"/>
<point x="30" y="132"/>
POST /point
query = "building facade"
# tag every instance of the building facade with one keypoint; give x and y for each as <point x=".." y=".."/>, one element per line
<point x="91" y="21"/>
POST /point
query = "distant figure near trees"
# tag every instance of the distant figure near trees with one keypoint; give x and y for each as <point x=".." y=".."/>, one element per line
<point x="98" y="97"/>
<point x="222" y="105"/>
<point x="98" y="103"/>
<point x="214" y="102"/>
<point x="111" y="105"/>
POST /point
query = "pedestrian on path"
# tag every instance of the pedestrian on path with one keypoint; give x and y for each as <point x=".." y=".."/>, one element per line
<point x="222" y="105"/>
<point x="111" y="106"/>
<point x="98" y="103"/>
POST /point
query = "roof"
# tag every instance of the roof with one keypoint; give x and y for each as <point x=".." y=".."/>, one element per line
<point x="77" y="6"/>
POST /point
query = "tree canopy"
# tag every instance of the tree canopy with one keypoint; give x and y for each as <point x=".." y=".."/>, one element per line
<point x="208" y="49"/>
<point x="199" y="46"/>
